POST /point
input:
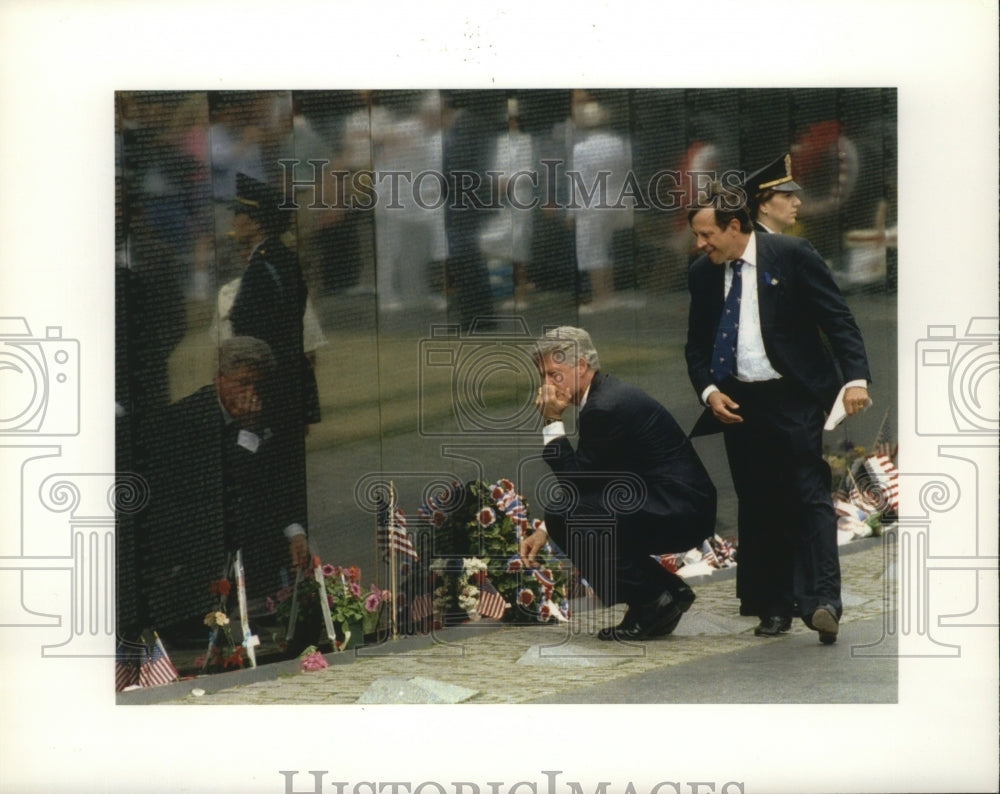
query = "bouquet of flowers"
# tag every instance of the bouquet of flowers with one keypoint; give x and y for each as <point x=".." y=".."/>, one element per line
<point x="846" y="462"/>
<point x="223" y="652"/>
<point x="478" y="529"/>
<point x="349" y="603"/>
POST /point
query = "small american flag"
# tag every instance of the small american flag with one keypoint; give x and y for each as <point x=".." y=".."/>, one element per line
<point x="127" y="662"/>
<point x="392" y="534"/>
<point x="157" y="669"/>
<point x="491" y="603"/>
<point x="422" y="607"/>
<point x="882" y="470"/>
<point x="136" y="665"/>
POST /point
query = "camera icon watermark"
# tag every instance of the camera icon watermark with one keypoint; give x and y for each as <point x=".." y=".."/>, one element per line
<point x="957" y="380"/>
<point x="40" y="379"/>
<point x="480" y="384"/>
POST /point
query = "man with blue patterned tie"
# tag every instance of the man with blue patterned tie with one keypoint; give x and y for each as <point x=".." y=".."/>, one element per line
<point x="766" y="376"/>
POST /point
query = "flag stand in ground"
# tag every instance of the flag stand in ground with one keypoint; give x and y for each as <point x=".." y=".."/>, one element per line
<point x="391" y="540"/>
<point x="881" y="469"/>
<point x="234" y="565"/>
<point x="324" y="604"/>
<point x="250" y="641"/>
<point x="137" y="665"/>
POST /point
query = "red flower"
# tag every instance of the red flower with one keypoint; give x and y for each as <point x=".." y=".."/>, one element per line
<point x="496" y="492"/>
<point x="220" y="587"/>
<point x="353" y="573"/>
<point x="506" y="484"/>
<point x="235" y="661"/>
<point x="525" y="597"/>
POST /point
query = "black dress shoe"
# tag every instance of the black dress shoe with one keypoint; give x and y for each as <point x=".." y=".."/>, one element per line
<point x="772" y="626"/>
<point x="654" y="619"/>
<point x="684" y="598"/>
<point x="627" y="624"/>
<point x="824" y="620"/>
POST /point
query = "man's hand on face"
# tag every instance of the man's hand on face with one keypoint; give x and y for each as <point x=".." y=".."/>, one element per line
<point x="552" y="401"/>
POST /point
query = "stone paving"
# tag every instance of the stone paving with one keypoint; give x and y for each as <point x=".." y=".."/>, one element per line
<point x="517" y="664"/>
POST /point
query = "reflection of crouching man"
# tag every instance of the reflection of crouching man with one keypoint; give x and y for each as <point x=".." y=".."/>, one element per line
<point x="625" y="436"/>
<point x="218" y="483"/>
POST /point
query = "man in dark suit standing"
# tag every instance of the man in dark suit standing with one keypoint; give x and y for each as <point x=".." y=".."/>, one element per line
<point x="765" y="315"/>
<point x="634" y="474"/>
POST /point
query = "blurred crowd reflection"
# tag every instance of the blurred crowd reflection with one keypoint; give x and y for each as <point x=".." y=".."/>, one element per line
<point x="459" y="204"/>
<point x="465" y="201"/>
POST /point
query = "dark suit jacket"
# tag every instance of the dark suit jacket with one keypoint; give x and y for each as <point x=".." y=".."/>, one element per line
<point x="269" y="306"/>
<point x="624" y="430"/>
<point x="809" y="333"/>
<point x="209" y="496"/>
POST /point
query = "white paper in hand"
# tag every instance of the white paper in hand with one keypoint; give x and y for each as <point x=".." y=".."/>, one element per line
<point x="838" y="413"/>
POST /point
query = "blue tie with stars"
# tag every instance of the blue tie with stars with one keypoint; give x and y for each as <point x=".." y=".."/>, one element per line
<point x="724" y="352"/>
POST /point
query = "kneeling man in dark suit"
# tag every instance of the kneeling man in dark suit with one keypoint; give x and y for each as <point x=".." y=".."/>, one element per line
<point x="221" y="481"/>
<point x="634" y="487"/>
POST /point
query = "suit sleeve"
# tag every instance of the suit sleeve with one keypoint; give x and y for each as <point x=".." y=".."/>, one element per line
<point x="824" y="301"/>
<point x="601" y="432"/>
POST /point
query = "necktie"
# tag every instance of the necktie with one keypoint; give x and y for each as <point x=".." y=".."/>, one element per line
<point x="724" y="352"/>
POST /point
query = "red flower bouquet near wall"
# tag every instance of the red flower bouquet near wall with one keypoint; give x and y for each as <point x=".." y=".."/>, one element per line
<point x="477" y="533"/>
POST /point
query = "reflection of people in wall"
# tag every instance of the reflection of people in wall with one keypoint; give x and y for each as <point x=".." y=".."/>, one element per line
<point x="600" y="154"/>
<point x="272" y="297"/>
<point x="507" y="237"/>
<point x="223" y="477"/>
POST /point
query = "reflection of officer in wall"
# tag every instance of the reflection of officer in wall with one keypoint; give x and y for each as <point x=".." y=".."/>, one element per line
<point x="218" y="483"/>
<point x="773" y="196"/>
<point x="272" y="297"/>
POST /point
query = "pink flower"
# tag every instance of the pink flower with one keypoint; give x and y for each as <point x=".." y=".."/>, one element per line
<point x="355" y="589"/>
<point x="372" y="602"/>
<point x="314" y="661"/>
<point x="328" y="570"/>
<point x="387" y="595"/>
<point x="487" y="517"/>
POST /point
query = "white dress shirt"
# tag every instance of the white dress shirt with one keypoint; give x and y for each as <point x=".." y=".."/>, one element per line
<point x="752" y="363"/>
